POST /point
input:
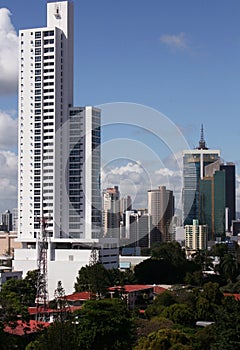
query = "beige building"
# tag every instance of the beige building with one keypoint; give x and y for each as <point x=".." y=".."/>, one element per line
<point x="111" y="212"/>
<point x="161" y="208"/>
<point x="196" y="236"/>
<point x="8" y="243"/>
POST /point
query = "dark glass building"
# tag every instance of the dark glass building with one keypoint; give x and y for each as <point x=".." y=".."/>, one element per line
<point x="217" y="198"/>
<point x="194" y="162"/>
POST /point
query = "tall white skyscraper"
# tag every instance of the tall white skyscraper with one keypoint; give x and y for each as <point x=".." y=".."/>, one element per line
<point x="45" y="94"/>
<point x="59" y="156"/>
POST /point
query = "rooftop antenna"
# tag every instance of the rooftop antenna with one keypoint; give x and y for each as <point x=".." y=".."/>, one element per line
<point x="202" y="143"/>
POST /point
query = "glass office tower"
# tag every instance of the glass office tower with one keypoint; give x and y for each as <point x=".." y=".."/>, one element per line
<point x="194" y="162"/>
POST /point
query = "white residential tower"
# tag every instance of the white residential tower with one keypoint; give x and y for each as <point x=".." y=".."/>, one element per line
<point x="59" y="156"/>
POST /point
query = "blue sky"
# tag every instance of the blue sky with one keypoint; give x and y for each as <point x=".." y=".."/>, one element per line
<point x="181" y="58"/>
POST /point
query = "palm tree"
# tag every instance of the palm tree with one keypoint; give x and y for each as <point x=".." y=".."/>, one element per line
<point x="229" y="267"/>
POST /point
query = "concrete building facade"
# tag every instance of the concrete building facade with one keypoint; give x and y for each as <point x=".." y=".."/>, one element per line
<point x="196" y="236"/>
<point x="59" y="157"/>
<point x="161" y="208"/>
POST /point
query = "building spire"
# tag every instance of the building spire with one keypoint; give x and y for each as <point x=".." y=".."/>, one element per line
<point x="202" y="143"/>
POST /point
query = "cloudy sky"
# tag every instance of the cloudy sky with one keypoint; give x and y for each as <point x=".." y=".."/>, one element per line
<point x="175" y="65"/>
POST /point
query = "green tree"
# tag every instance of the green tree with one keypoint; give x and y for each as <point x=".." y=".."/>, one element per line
<point x="117" y="277"/>
<point x="165" y="339"/>
<point x="16" y="296"/>
<point x="219" y="250"/>
<point x="228" y="267"/>
<point x="180" y="313"/>
<point x="171" y="252"/>
<point x="226" y="326"/>
<point x="104" y="324"/>
<point x="58" y="336"/>
<point x="93" y="278"/>
<point x="162" y="300"/>
<point x="145" y="327"/>
<point x="208" y="301"/>
<point x="194" y="279"/>
<point x="158" y="271"/>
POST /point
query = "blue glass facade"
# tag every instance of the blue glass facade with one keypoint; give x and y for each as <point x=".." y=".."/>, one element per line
<point x="194" y="162"/>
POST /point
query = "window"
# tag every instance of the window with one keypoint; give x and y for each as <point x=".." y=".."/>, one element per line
<point x="37" y="78"/>
<point x="48" y="90"/>
<point x="48" y="84"/>
<point x="49" y="57"/>
<point x="48" y="33"/>
<point x="38" y="72"/>
<point x="48" y="41"/>
<point x="37" y="85"/>
<point x="37" y="35"/>
<point x="37" y="43"/>
<point x="37" y="65"/>
<point x="48" y="70"/>
<point x="49" y="49"/>
<point x="37" y="58"/>
<point x="37" y="51"/>
<point x="49" y="64"/>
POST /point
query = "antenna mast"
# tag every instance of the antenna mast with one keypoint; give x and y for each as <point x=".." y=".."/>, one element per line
<point x="42" y="299"/>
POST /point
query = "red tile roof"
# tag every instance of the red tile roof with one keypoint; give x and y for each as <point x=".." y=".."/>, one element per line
<point x="23" y="328"/>
<point x="236" y="296"/>
<point x="33" y="310"/>
<point x="158" y="289"/>
<point x="128" y="288"/>
<point x="80" y="296"/>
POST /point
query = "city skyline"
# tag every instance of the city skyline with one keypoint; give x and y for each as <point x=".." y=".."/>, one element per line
<point x="169" y="57"/>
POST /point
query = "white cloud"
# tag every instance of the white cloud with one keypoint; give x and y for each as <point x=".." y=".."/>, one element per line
<point x="130" y="167"/>
<point x="175" y="41"/>
<point x="8" y="54"/>
<point x="132" y="180"/>
<point x="8" y="131"/>
<point x="135" y="181"/>
<point x="8" y="180"/>
<point x="164" y="172"/>
<point x="8" y="164"/>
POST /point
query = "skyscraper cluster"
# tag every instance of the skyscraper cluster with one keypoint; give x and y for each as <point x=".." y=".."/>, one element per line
<point x="59" y="184"/>
<point x="209" y="193"/>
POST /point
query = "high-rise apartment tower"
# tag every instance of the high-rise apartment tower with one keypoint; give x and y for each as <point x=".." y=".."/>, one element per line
<point x="161" y="208"/>
<point x="59" y="157"/>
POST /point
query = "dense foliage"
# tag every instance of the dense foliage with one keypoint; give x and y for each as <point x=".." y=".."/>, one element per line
<point x="169" y="322"/>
